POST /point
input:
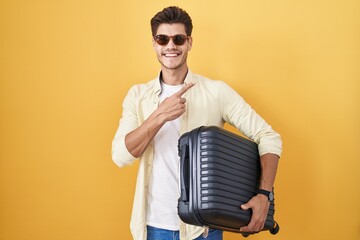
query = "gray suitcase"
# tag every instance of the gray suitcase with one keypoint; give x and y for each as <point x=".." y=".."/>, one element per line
<point x="219" y="171"/>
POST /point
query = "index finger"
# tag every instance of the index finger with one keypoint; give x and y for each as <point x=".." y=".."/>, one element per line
<point x="184" y="89"/>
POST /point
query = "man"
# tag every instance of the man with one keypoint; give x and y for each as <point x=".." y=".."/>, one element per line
<point x="156" y="113"/>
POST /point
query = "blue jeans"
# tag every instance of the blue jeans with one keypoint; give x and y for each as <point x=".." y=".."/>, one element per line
<point x="154" y="233"/>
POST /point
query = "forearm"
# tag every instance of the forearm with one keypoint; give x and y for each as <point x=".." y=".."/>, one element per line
<point x="137" y="140"/>
<point x="260" y="203"/>
<point x="171" y="108"/>
<point x="269" y="163"/>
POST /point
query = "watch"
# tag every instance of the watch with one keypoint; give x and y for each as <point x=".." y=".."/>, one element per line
<point x="270" y="195"/>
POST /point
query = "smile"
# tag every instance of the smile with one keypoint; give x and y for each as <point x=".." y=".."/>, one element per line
<point x="171" y="54"/>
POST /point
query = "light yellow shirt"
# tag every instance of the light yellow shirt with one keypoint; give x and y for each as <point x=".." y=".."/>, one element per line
<point x="209" y="102"/>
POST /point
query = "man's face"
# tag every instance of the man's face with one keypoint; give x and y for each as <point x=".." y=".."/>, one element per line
<point x="172" y="56"/>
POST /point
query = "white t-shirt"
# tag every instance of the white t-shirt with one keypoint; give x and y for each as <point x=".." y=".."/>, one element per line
<point x="163" y="192"/>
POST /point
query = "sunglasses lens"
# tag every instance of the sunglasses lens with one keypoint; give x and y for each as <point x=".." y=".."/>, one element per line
<point x="162" y="39"/>
<point x="179" y="39"/>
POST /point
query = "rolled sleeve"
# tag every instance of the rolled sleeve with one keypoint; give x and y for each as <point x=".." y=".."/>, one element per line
<point x="120" y="154"/>
<point x="269" y="141"/>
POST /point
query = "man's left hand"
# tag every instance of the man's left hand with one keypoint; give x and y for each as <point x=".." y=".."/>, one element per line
<point x="259" y="205"/>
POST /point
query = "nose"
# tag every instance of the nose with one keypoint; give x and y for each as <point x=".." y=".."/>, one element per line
<point x="171" y="44"/>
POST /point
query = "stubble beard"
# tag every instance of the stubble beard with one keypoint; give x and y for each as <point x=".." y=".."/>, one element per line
<point x="182" y="62"/>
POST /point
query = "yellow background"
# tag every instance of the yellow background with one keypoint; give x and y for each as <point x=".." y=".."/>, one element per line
<point x="66" y="65"/>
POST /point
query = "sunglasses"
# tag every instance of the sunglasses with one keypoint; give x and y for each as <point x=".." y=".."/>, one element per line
<point x="178" y="39"/>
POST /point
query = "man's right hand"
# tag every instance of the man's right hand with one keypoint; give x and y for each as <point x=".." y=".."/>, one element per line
<point x="171" y="108"/>
<point x="174" y="106"/>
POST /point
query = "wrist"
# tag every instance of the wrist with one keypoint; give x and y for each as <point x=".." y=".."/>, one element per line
<point x="268" y="194"/>
<point x="262" y="197"/>
<point x="157" y="119"/>
<point x="266" y="185"/>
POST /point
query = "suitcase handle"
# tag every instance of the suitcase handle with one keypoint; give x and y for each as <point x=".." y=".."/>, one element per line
<point x="184" y="172"/>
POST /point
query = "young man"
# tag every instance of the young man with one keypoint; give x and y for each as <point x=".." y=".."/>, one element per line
<point x="156" y="113"/>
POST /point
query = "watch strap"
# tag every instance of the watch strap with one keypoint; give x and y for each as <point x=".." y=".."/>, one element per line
<point x="268" y="194"/>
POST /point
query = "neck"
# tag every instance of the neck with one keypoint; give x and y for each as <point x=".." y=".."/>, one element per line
<point x="174" y="76"/>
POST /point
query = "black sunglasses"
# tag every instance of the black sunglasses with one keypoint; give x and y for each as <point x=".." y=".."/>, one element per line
<point x="178" y="39"/>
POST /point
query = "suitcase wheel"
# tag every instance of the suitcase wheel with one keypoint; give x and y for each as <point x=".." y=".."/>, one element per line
<point x="275" y="229"/>
<point x="245" y="235"/>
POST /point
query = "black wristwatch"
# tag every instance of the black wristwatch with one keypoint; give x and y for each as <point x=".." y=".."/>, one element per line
<point x="270" y="195"/>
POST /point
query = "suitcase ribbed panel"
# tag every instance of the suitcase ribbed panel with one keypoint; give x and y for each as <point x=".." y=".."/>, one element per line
<point x="224" y="171"/>
<point x="231" y="164"/>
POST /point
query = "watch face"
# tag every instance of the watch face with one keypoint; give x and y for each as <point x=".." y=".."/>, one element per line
<point x="271" y="196"/>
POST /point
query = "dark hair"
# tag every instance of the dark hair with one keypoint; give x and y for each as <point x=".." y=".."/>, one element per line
<point x="171" y="15"/>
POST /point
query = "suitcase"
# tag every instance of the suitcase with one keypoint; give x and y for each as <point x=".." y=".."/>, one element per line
<point x="219" y="171"/>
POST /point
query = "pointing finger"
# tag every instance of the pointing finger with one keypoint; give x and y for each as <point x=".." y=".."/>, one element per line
<point x="184" y="89"/>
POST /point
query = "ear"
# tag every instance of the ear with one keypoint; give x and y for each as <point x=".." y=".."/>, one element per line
<point x="153" y="43"/>
<point x="190" y="42"/>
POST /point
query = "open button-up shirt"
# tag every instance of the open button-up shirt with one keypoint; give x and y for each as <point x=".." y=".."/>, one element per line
<point x="209" y="102"/>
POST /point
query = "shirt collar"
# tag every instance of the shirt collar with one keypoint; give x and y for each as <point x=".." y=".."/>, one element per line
<point x="157" y="82"/>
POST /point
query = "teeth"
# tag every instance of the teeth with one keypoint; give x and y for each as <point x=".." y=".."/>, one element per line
<point x="171" y="54"/>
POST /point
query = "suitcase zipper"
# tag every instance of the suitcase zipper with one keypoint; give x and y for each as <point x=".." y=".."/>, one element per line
<point x="206" y="232"/>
